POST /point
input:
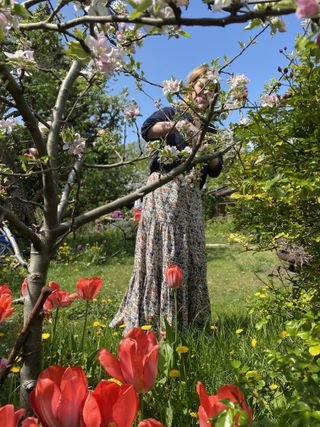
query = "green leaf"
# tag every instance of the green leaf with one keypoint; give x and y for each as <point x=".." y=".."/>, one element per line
<point x="184" y="34"/>
<point x="140" y="8"/>
<point x="314" y="350"/>
<point x="75" y="49"/>
<point x="20" y="10"/>
<point x="236" y="363"/>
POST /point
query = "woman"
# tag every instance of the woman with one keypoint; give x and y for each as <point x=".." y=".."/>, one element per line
<point x="171" y="229"/>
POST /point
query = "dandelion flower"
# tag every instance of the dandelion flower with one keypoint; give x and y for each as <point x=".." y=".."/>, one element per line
<point x="238" y="331"/>
<point x="174" y="373"/>
<point x="45" y="335"/>
<point x="146" y="327"/>
<point x="182" y="349"/>
<point x="253" y="342"/>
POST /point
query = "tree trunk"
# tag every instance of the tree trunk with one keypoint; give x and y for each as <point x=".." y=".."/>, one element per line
<point x="32" y="354"/>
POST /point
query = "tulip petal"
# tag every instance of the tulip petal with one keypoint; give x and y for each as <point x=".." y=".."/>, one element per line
<point x="73" y="394"/>
<point x="131" y="362"/>
<point x="126" y="407"/>
<point x="106" y="394"/>
<point x="110" y="364"/>
<point x="150" y="422"/>
<point x="203" y="417"/>
<point x="44" y="400"/>
<point x="7" y="415"/>
<point x="91" y="416"/>
<point x="150" y="368"/>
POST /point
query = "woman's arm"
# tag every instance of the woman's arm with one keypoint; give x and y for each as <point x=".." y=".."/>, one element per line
<point x="162" y="129"/>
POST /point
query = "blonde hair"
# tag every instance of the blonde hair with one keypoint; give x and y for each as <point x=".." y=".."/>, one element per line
<point x="201" y="72"/>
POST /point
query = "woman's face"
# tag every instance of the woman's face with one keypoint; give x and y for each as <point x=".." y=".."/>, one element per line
<point x="202" y="94"/>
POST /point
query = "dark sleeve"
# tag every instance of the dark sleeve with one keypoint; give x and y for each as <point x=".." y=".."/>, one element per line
<point x="213" y="173"/>
<point x="163" y="115"/>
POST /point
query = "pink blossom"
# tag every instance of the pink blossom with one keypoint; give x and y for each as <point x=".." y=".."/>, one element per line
<point x="6" y="125"/>
<point x="23" y="59"/>
<point x="131" y="110"/>
<point x="269" y="100"/>
<point x="307" y="8"/>
<point x="75" y="147"/>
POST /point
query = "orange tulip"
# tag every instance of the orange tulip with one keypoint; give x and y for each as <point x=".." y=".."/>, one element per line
<point x="138" y="360"/>
<point x="110" y="405"/>
<point x="211" y="406"/>
<point x="174" y="276"/>
<point x="59" y="395"/>
<point x="9" y="417"/>
<point x="89" y="288"/>
<point x="150" y="422"/>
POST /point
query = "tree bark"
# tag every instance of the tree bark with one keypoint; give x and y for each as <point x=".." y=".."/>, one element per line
<point x="31" y="351"/>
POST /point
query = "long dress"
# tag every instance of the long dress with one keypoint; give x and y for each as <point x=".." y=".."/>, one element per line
<point x="171" y="231"/>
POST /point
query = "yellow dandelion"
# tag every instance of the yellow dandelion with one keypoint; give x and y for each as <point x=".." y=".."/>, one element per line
<point x="273" y="386"/>
<point x="214" y="327"/>
<point x="94" y="300"/>
<point x="103" y="300"/>
<point x="257" y="294"/>
<point x="45" y="335"/>
<point x="194" y="414"/>
<point x="15" y="369"/>
<point x="146" y="327"/>
<point x="182" y="349"/>
<point x="18" y="359"/>
<point x="122" y="326"/>
<point x="98" y="324"/>
<point x="109" y="300"/>
<point x="2" y="334"/>
<point x="174" y="373"/>
<point x="115" y="380"/>
<point x="231" y="353"/>
<point x="283" y="334"/>
<point x="115" y="334"/>
<point x="98" y="332"/>
<point x="238" y="331"/>
<point x="253" y="342"/>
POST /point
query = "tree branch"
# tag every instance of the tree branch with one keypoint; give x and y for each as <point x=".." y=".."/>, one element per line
<point x="25" y="231"/>
<point x="160" y="22"/>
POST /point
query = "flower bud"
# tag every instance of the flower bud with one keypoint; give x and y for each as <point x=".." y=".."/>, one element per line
<point x="174" y="276"/>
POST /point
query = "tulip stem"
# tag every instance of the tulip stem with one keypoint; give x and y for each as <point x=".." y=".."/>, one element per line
<point x="175" y="316"/>
<point x="141" y="406"/>
<point x="54" y="328"/>
<point x="84" y="325"/>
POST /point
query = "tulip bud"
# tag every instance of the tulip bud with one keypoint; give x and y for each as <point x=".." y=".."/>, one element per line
<point x="174" y="276"/>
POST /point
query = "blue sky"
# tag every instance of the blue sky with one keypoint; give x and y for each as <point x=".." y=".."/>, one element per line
<point x="163" y="58"/>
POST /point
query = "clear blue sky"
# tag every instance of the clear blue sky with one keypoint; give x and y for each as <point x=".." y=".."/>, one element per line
<point x="162" y="58"/>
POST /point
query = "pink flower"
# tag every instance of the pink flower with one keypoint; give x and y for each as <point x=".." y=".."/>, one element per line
<point x="138" y="360"/>
<point x="269" y="100"/>
<point x="89" y="288"/>
<point x="171" y="86"/>
<point x="9" y="417"/>
<point x="307" y="8"/>
<point x="174" y="276"/>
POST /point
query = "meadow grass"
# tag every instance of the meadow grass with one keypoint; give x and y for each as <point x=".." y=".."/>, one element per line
<point x="223" y="354"/>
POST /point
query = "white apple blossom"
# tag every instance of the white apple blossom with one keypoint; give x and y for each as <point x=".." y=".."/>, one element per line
<point x="220" y="4"/>
<point x="22" y="59"/>
<point x="131" y="110"/>
<point x="119" y="7"/>
<point x="168" y="154"/>
<point x="107" y="58"/>
<point x="269" y="100"/>
<point x="6" y="125"/>
<point x="76" y="146"/>
<point x="171" y="86"/>
<point x="238" y="88"/>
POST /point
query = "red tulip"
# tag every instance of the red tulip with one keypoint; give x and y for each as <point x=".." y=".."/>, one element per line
<point x="150" y="422"/>
<point x="138" y="360"/>
<point x="5" y="302"/>
<point x="58" y="298"/>
<point x="59" y="395"/>
<point x="89" y="288"/>
<point x="9" y="417"/>
<point x="137" y="214"/>
<point x="30" y="422"/>
<point x="110" y="405"/>
<point x="211" y="405"/>
<point x="174" y="276"/>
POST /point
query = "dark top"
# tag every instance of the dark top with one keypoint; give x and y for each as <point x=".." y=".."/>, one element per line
<point x="175" y="139"/>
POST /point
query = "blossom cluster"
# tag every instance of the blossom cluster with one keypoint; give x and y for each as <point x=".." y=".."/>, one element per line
<point x="238" y="87"/>
<point x="307" y="8"/>
<point x="75" y="146"/>
<point x="6" y="125"/>
<point x="106" y="58"/>
<point x="22" y="59"/>
<point x="131" y="110"/>
<point x="169" y="87"/>
<point x="269" y="100"/>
